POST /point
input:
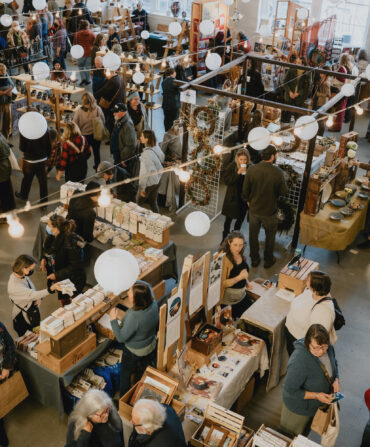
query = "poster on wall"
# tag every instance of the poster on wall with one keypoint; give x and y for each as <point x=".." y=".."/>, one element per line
<point x="215" y="279"/>
<point x="174" y="306"/>
<point x="196" y="285"/>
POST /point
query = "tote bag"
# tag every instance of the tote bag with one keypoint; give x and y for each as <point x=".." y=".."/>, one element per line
<point x="100" y="132"/>
<point x="321" y="420"/>
<point x="329" y="438"/>
<point x="12" y="391"/>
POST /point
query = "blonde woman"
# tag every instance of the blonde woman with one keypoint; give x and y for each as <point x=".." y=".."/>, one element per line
<point x="84" y="117"/>
<point x="234" y="206"/>
<point x="75" y="152"/>
<point x="95" y="421"/>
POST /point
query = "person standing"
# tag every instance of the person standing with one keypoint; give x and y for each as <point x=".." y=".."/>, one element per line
<point x="264" y="183"/>
<point x="7" y="363"/>
<point x="6" y="188"/>
<point x="75" y="153"/>
<point x="345" y="67"/>
<point x="112" y="34"/>
<point x="6" y="86"/>
<point x="150" y="162"/>
<point x="84" y="118"/>
<point x="123" y="139"/>
<point x="98" y="76"/>
<point x="137" y="113"/>
<point x="18" y="41"/>
<point x="321" y="96"/>
<point x="312" y="377"/>
<point x="98" y="43"/>
<point x="24" y="296"/>
<point x="234" y="207"/>
<point x="113" y="174"/>
<point x="171" y="98"/>
<point x="35" y="156"/>
<point x="138" y="333"/>
<point x="140" y="17"/>
<point x="60" y="43"/>
<point x="86" y="38"/>
<point x="171" y="145"/>
<point x="312" y="306"/>
<point x="79" y="12"/>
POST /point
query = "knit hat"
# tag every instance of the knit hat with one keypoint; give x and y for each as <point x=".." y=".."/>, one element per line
<point x="367" y="398"/>
<point x="103" y="167"/>
<point x="132" y="96"/>
<point x="119" y="107"/>
<point x="93" y="185"/>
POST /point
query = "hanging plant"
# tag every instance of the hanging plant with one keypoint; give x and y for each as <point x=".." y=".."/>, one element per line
<point x="201" y="184"/>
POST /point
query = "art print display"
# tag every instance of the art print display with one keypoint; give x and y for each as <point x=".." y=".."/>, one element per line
<point x="201" y="386"/>
<point x="215" y="281"/>
<point x="196" y="285"/>
<point x="223" y="319"/>
<point x="184" y="366"/>
<point x="246" y="344"/>
<point x="146" y="391"/>
<point x="173" y="326"/>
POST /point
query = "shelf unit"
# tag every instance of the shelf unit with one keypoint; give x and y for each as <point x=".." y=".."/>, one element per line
<point x="287" y="26"/>
<point x="58" y="91"/>
<point x="201" y="10"/>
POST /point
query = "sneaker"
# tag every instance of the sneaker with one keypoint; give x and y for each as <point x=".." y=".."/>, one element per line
<point x="267" y="265"/>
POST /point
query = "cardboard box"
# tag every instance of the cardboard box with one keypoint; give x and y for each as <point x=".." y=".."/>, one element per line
<point x="294" y="280"/>
<point x="12" y="391"/>
<point x="60" y="365"/>
<point x="275" y="434"/>
<point x="60" y="348"/>
<point x="225" y="420"/>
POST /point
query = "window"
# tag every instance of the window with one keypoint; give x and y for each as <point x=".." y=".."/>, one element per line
<point x="352" y="20"/>
<point x="163" y="6"/>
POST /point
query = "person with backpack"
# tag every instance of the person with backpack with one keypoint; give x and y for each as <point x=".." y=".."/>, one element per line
<point x="75" y="153"/>
<point x="314" y="306"/>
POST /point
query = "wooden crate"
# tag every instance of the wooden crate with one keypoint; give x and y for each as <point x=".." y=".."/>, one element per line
<point x="159" y="290"/>
<point x="60" y="348"/>
<point x="296" y="281"/>
<point x="12" y="391"/>
<point x="108" y="332"/>
<point x="344" y="139"/>
<point x="60" y="365"/>
<point x="222" y="418"/>
<point x="125" y="409"/>
<point x="245" y="396"/>
<point x="198" y="359"/>
<point x="288" y="441"/>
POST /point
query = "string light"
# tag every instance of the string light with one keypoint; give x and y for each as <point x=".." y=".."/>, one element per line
<point x="105" y="197"/>
<point x="28" y="206"/>
<point x="107" y="73"/>
<point x="276" y="139"/>
<point x="186" y="59"/>
<point x="137" y="68"/>
<point x="359" y="110"/>
<point x="218" y="149"/>
<point x="73" y="76"/>
<point x="33" y="16"/>
<point x="163" y="64"/>
<point x="184" y="176"/>
<point x="80" y="12"/>
<point x="57" y="15"/>
<point x="329" y="121"/>
<point x="16" y="229"/>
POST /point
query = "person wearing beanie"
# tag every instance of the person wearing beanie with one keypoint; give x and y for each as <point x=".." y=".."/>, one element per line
<point x="137" y="113"/>
<point x="366" y="435"/>
<point x="82" y="211"/>
<point x="113" y="174"/>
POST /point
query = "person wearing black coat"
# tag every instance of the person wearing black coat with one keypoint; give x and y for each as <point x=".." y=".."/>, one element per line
<point x="254" y="81"/>
<point x="6" y="189"/>
<point x="82" y="211"/>
<point x="7" y="362"/>
<point x="171" y="98"/>
<point x="76" y="17"/>
<point x="62" y="256"/>
<point x="155" y="425"/>
<point x="234" y="207"/>
<point x="112" y="91"/>
<point x="140" y="17"/>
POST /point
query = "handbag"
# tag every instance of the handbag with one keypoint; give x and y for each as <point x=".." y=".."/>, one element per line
<point x="339" y="320"/>
<point x="33" y="314"/>
<point x="105" y="103"/>
<point x="100" y="132"/>
<point x="329" y="437"/>
<point x="322" y="416"/>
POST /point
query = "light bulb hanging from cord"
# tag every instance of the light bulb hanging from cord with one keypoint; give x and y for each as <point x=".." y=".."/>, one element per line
<point x="105" y="197"/>
<point x="16" y="229"/>
<point x="276" y="139"/>
<point x="28" y="206"/>
<point x="163" y="65"/>
<point x="137" y="68"/>
<point x="359" y="110"/>
<point x="184" y="176"/>
<point x="80" y="12"/>
<point x="107" y="73"/>
<point x="218" y="149"/>
<point x="329" y="121"/>
<point x="73" y="76"/>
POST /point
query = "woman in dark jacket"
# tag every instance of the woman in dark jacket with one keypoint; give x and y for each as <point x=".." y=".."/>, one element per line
<point x="312" y="377"/>
<point x="171" y="98"/>
<point x="254" y="83"/>
<point x="7" y="362"/>
<point x="137" y="332"/>
<point x="82" y="211"/>
<point x="95" y="422"/>
<point x="6" y="188"/>
<point x="234" y="206"/>
<point x="62" y="255"/>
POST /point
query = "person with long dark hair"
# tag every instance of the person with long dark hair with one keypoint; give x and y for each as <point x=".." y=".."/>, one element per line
<point x="62" y="255"/>
<point x="237" y="271"/>
<point x="137" y="333"/>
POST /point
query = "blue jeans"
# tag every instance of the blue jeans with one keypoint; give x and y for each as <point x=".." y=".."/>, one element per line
<point x="84" y="64"/>
<point x="132" y="364"/>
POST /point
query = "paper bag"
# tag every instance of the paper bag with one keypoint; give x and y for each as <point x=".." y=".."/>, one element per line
<point x="13" y="391"/>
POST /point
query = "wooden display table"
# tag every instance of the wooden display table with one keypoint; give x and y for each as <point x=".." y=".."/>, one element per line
<point x="296" y="280"/>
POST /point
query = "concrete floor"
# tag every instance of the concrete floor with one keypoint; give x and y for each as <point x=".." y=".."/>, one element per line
<point x="31" y="424"/>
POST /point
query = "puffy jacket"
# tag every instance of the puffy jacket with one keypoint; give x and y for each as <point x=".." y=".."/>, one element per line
<point x="150" y="161"/>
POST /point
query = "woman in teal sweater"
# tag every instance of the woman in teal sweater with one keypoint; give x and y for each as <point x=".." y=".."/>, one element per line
<point x="312" y="377"/>
<point x="137" y="332"/>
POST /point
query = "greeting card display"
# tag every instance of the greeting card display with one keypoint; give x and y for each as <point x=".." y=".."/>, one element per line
<point x="246" y="344"/>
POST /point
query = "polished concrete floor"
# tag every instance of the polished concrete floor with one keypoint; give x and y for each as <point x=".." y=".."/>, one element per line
<point x="31" y="424"/>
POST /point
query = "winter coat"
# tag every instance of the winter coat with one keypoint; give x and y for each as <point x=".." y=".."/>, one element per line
<point x="125" y="192"/>
<point x="150" y="161"/>
<point x="5" y="166"/>
<point x="171" y="146"/>
<point x="139" y="119"/>
<point x="112" y="91"/>
<point x="84" y="119"/>
<point x="234" y="206"/>
<point x="127" y="142"/>
<point x="111" y="39"/>
<point x="75" y="18"/>
<point x="82" y="211"/>
<point x="10" y="38"/>
<point x="171" y="434"/>
<point x="85" y="38"/>
<point x="72" y="162"/>
<point x="294" y="83"/>
<point x="171" y="95"/>
<point x="254" y="84"/>
<point x="66" y="254"/>
<point x="304" y="373"/>
<point x="35" y="149"/>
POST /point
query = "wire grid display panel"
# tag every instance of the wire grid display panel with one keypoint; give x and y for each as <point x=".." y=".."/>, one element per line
<point x="293" y="193"/>
<point x="212" y="181"/>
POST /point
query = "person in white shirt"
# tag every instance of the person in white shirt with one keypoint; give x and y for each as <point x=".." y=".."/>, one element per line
<point x="306" y="310"/>
<point x="23" y="294"/>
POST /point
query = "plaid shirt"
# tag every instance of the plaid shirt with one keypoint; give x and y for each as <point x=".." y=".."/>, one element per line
<point x="69" y="155"/>
<point x="55" y="155"/>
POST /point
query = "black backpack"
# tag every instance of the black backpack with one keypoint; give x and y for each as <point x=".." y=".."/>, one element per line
<point x="339" y="320"/>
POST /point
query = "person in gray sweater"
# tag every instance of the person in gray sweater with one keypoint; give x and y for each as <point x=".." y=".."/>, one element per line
<point x="137" y="332"/>
<point x="264" y="183"/>
<point x="312" y="377"/>
<point x="150" y="162"/>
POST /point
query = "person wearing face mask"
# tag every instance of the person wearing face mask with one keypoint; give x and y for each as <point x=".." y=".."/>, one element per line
<point x="62" y="255"/>
<point x="95" y="422"/>
<point x="264" y="183"/>
<point x="155" y="425"/>
<point x="311" y="379"/>
<point x="138" y="333"/>
<point x="314" y="305"/>
<point x="24" y="296"/>
<point x="234" y="207"/>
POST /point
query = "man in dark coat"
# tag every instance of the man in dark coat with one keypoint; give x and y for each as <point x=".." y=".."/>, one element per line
<point x="76" y="17"/>
<point x="113" y="174"/>
<point x="171" y="98"/>
<point x="264" y="183"/>
<point x="82" y="211"/>
<point x="155" y="425"/>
